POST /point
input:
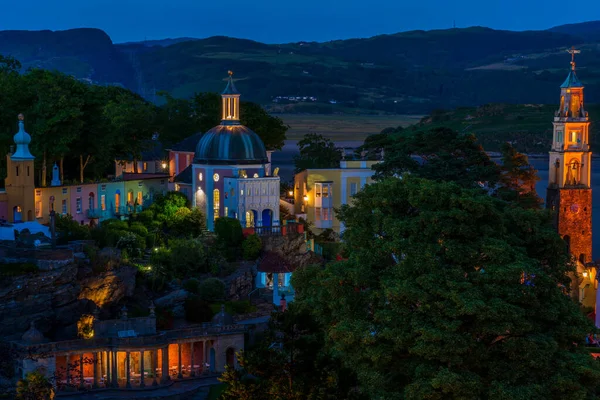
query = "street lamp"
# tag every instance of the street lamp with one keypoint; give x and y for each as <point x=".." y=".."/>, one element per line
<point x="291" y="193"/>
<point x="164" y="165"/>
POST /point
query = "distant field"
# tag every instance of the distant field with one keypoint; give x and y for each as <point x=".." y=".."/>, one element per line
<point x="343" y="127"/>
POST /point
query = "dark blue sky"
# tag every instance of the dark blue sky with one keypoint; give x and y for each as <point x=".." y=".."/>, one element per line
<point x="287" y="20"/>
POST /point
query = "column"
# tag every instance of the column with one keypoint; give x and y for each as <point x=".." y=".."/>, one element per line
<point x="179" y="375"/>
<point x="128" y="369"/>
<point x="68" y="364"/>
<point x="142" y="383"/>
<point x="275" y="288"/>
<point x="193" y="372"/>
<point x="154" y="366"/>
<point x="81" y="381"/>
<point x="165" y="367"/>
<point x="96" y="361"/>
<point x="115" y="370"/>
<point x="107" y="368"/>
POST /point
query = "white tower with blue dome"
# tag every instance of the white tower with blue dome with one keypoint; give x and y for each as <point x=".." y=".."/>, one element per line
<point x="230" y="172"/>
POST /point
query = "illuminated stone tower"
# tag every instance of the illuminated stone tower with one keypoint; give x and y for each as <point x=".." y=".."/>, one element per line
<point x="19" y="181"/>
<point x="569" y="191"/>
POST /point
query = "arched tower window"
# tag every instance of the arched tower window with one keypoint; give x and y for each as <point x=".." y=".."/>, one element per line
<point x="574" y="173"/>
<point x="216" y="201"/>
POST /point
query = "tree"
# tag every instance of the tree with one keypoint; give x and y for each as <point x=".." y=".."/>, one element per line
<point x="35" y="386"/>
<point x="211" y="290"/>
<point x="441" y="154"/>
<point x="518" y="178"/>
<point x="270" y="129"/>
<point x="317" y="152"/>
<point x="251" y="247"/>
<point x="290" y="363"/>
<point x="449" y="293"/>
<point x="230" y="235"/>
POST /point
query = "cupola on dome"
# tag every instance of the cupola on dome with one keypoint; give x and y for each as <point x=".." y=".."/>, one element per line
<point x="230" y="142"/>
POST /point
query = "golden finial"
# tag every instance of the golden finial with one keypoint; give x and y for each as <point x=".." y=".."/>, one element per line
<point x="573" y="51"/>
<point x="230" y="73"/>
<point x="21" y="117"/>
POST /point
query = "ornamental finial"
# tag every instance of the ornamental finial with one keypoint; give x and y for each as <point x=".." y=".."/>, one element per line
<point x="21" y="117"/>
<point x="573" y="51"/>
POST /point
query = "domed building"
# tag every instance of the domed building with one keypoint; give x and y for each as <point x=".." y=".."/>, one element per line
<point x="230" y="172"/>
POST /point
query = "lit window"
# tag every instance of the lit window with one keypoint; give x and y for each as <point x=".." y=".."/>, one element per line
<point x="200" y="176"/>
<point x="145" y="166"/>
<point x="103" y="202"/>
<point x="64" y="206"/>
<point x="326" y="191"/>
<point x="117" y="201"/>
<point x="216" y="177"/>
<point x="255" y="175"/>
<point x="216" y="200"/>
<point x="78" y="204"/>
<point x="130" y="197"/>
<point x="317" y="213"/>
<point x="249" y="219"/>
<point x="38" y="192"/>
<point x="140" y="199"/>
<point x="38" y="209"/>
<point x="241" y="192"/>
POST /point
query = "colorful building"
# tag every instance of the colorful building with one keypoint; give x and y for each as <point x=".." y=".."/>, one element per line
<point x="569" y="191"/>
<point x="21" y="201"/>
<point x="229" y="175"/>
<point x="318" y="192"/>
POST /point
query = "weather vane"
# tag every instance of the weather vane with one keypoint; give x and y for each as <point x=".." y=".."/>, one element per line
<point x="573" y="51"/>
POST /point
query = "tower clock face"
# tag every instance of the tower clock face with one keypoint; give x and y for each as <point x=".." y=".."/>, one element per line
<point x="575" y="208"/>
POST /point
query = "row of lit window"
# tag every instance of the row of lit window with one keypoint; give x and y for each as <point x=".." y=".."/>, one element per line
<point x="216" y="177"/>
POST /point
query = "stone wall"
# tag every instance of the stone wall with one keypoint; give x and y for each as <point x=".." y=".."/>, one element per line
<point x="292" y="247"/>
<point x="240" y="284"/>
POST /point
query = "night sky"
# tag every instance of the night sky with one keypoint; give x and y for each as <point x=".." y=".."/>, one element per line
<point x="284" y="20"/>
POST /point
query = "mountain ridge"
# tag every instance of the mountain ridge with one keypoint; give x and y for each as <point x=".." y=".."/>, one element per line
<point x="405" y="72"/>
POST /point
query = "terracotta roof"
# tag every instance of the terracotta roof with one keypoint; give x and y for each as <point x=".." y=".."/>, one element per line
<point x="274" y="263"/>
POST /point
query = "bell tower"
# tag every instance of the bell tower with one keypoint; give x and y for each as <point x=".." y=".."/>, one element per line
<point x="230" y="108"/>
<point x="569" y="191"/>
<point x="19" y="182"/>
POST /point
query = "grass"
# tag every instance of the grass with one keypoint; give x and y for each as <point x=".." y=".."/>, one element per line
<point x="343" y="127"/>
<point x="216" y="391"/>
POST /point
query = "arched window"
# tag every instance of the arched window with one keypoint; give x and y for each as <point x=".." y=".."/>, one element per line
<point x="91" y="201"/>
<point x="249" y="219"/>
<point x="574" y="173"/>
<point x="216" y="205"/>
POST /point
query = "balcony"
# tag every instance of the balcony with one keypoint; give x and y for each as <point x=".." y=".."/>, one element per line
<point x="95" y="213"/>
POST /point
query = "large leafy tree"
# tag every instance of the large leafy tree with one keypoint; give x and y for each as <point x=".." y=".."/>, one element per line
<point x="290" y="363"/>
<point x="441" y="154"/>
<point x="518" y="178"/>
<point x="449" y="293"/>
<point x="317" y="151"/>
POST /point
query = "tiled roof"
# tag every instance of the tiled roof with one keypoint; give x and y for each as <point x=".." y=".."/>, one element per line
<point x="273" y="262"/>
<point x="571" y="81"/>
<point x="184" y="176"/>
<point x="188" y="144"/>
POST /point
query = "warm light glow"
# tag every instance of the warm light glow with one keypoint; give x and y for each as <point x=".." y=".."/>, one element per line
<point x="164" y="165"/>
<point x="290" y="193"/>
<point x="305" y="198"/>
<point x="255" y="175"/>
<point x="216" y="177"/>
<point x="585" y="274"/>
<point x="85" y="325"/>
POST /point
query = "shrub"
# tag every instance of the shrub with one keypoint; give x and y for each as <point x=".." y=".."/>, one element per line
<point x="251" y="247"/>
<point x="138" y="229"/>
<point x="115" y="224"/>
<point x="68" y="229"/>
<point x="132" y="243"/>
<point x="192" y="285"/>
<point x="188" y="256"/>
<point x="197" y="310"/>
<point x="34" y="386"/>
<point x="145" y="217"/>
<point x="211" y="290"/>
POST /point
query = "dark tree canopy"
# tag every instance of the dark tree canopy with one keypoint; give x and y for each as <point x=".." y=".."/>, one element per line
<point x="449" y="293"/>
<point x="317" y="152"/>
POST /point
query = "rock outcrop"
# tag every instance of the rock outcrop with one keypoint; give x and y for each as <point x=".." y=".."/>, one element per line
<point x="239" y="284"/>
<point x="173" y="301"/>
<point x="110" y="286"/>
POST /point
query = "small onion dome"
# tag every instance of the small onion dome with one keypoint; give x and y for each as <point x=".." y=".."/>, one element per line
<point x="22" y="140"/>
<point x="274" y="263"/>
<point x="33" y="335"/>
<point x="222" y="318"/>
<point x="230" y="144"/>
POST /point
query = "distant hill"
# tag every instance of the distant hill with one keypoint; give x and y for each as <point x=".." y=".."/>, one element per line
<point x="85" y="53"/>
<point x="589" y="31"/>
<point x="409" y="72"/>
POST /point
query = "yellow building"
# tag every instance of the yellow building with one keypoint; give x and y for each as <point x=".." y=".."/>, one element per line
<point x="319" y="192"/>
